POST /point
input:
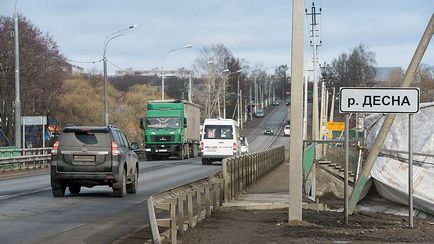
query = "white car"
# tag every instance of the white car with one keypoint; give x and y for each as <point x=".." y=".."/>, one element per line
<point x="244" y="145"/>
<point x="287" y="130"/>
<point x="220" y="139"/>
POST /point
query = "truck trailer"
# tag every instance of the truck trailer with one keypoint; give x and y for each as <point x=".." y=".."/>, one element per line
<point x="171" y="128"/>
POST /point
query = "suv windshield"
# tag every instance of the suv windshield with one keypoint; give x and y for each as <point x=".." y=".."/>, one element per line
<point x="172" y="123"/>
<point x="218" y="132"/>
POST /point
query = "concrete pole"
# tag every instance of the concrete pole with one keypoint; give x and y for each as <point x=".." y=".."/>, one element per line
<point x="189" y="88"/>
<point x="238" y="100"/>
<point x="388" y="121"/>
<point x="240" y="119"/>
<point x="106" y="115"/>
<point x="224" y="96"/>
<point x="305" y="109"/>
<point x="315" y="116"/>
<point x="251" y="106"/>
<point x="332" y="107"/>
<point x="256" y="95"/>
<point x="17" y="83"/>
<point x="296" y="139"/>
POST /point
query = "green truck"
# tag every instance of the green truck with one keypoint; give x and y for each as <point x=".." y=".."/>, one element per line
<point x="171" y="128"/>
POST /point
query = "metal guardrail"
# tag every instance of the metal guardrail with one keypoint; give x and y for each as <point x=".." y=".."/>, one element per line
<point x="28" y="158"/>
<point x="205" y="195"/>
<point x="242" y="171"/>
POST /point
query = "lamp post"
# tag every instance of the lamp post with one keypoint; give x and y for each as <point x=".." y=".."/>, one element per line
<point x="104" y="58"/>
<point x="17" y="83"/>
<point x="238" y="99"/>
<point x="209" y="88"/>
<point x="224" y="88"/>
<point x="162" y="66"/>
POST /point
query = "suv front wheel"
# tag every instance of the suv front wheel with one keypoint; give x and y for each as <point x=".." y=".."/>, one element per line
<point x="120" y="188"/>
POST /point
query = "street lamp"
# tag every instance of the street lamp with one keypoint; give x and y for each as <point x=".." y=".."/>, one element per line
<point x="209" y="88"/>
<point x="224" y="89"/>
<point x="104" y="58"/>
<point x="162" y="66"/>
<point x="17" y="83"/>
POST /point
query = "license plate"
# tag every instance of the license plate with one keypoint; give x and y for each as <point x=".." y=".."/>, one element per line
<point x="162" y="150"/>
<point x="84" y="158"/>
<point x="211" y="149"/>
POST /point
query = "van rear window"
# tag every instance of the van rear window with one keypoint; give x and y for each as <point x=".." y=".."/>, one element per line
<point x="218" y="132"/>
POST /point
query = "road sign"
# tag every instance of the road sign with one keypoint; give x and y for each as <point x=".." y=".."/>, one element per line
<point x="338" y="126"/>
<point x="34" y="120"/>
<point x="379" y="100"/>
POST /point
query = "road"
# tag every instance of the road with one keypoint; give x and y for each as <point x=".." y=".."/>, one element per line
<point x="29" y="213"/>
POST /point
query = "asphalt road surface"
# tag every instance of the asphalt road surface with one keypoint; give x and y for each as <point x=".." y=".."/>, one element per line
<point x="30" y="214"/>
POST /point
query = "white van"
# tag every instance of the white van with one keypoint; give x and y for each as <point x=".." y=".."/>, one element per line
<point x="220" y="139"/>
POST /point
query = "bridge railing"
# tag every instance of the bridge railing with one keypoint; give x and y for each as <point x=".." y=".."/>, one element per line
<point x="242" y="171"/>
<point x="200" y="198"/>
<point x="28" y="158"/>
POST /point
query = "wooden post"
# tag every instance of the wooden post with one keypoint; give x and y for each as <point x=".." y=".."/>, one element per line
<point x="173" y="222"/>
<point x="181" y="214"/>
<point x="190" y="209"/>
<point x="207" y="201"/>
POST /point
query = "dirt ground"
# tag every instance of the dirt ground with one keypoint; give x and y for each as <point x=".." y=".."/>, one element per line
<point x="231" y="225"/>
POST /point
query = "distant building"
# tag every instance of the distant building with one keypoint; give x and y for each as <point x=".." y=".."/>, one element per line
<point x="382" y="74"/>
<point x="76" y="70"/>
<point x="155" y="72"/>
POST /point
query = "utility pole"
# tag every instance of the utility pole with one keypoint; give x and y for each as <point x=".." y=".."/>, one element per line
<point x="296" y="113"/>
<point x="189" y="88"/>
<point x="256" y="95"/>
<point x="315" y="122"/>
<point x="17" y="83"/>
<point x="251" y="106"/>
<point x="332" y="108"/>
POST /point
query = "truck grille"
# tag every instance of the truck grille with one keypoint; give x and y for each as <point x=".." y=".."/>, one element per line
<point x="169" y="138"/>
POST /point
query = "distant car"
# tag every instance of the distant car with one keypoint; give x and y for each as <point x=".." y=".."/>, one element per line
<point x="244" y="143"/>
<point x="288" y="103"/>
<point x="268" y="131"/>
<point x="259" y="113"/>
<point x="275" y="103"/>
<point x="287" y="130"/>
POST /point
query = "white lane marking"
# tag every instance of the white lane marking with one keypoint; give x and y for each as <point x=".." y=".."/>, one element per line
<point x="7" y="196"/>
<point x="74" y="226"/>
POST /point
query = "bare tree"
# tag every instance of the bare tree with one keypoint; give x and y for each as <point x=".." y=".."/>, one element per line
<point x="42" y="69"/>
<point x="354" y="69"/>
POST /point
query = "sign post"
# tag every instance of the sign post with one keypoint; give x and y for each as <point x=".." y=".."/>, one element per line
<point x="379" y="100"/>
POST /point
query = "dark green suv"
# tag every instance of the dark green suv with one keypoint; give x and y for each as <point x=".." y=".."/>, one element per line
<point x="89" y="156"/>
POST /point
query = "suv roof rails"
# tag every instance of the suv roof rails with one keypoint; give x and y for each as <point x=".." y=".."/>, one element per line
<point x="69" y="125"/>
<point x="113" y="126"/>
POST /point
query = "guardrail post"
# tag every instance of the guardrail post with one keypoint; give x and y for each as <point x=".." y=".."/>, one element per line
<point x="199" y="202"/>
<point x="216" y="191"/>
<point x="190" y="209"/>
<point x="225" y="179"/>
<point x="207" y="201"/>
<point x="173" y="231"/>
<point x="181" y="214"/>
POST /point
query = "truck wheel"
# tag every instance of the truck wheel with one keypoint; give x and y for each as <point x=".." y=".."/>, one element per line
<point x="206" y="161"/>
<point x="74" y="189"/>
<point x="132" y="187"/>
<point x="120" y="188"/>
<point x="181" y="154"/>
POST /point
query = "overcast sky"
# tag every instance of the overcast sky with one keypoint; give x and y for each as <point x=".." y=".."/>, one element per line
<point x="256" y="30"/>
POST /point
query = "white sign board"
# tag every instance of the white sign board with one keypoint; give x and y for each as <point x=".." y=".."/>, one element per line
<point x="34" y="120"/>
<point x="379" y="100"/>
